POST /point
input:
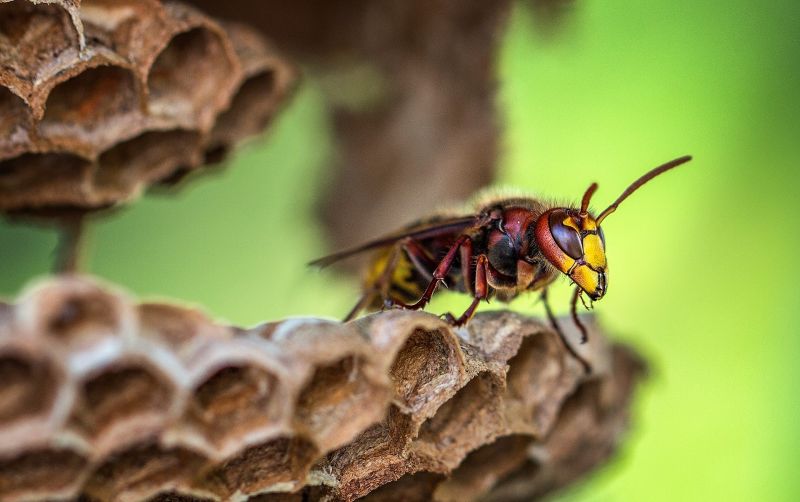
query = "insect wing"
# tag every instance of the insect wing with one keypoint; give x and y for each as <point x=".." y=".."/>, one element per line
<point x="439" y="228"/>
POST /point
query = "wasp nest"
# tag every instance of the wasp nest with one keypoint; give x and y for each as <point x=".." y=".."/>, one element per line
<point x="110" y="400"/>
<point x="100" y="99"/>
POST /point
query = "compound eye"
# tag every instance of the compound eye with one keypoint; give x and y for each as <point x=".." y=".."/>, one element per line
<point x="602" y="236"/>
<point x="567" y="238"/>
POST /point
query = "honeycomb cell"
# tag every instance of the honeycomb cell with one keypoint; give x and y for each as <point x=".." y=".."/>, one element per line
<point x="36" y="41"/>
<point x="28" y="389"/>
<point x="143" y="471"/>
<point x="175" y="326"/>
<point x="76" y="312"/>
<point x="149" y="157"/>
<point x="42" y="474"/>
<point x="50" y="179"/>
<point x="339" y="402"/>
<point x="92" y="110"/>
<point x="351" y="466"/>
<point x="279" y="465"/>
<point x="256" y="100"/>
<point x="122" y="404"/>
<point x="233" y="402"/>
<point x="185" y="81"/>
<point x="483" y="468"/>
<point x="469" y="419"/>
<point x="539" y="364"/>
<point x="250" y="110"/>
<point x="427" y="365"/>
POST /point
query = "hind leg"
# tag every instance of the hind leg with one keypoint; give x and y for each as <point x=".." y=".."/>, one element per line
<point x="381" y="287"/>
<point x="378" y="288"/>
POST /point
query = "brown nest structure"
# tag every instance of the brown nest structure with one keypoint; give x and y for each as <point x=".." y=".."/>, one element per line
<point x="100" y="99"/>
<point x="112" y="400"/>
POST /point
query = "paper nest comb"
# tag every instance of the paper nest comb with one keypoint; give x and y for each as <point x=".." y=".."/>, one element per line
<point x="106" y="399"/>
<point x="100" y="99"/>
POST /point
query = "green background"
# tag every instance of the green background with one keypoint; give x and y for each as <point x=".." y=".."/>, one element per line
<point x="702" y="274"/>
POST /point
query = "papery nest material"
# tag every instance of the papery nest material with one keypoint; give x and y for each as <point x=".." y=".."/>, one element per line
<point x="101" y="99"/>
<point x="114" y="400"/>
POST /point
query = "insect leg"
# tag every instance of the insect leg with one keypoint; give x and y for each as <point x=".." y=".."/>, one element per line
<point x="552" y="318"/>
<point x="438" y="275"/>
<point x="581" y="327"/>
<point x="481" y="292"/>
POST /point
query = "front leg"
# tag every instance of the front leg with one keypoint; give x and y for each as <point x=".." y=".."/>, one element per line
<point x="552" y="318"/>
<point x="481" y="293"/>
<point x="575" y="318"/>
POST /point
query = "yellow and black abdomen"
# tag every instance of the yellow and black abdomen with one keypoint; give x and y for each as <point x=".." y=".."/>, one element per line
<point x="391" y="275"/>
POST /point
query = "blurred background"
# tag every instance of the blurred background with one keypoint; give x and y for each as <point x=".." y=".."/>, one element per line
<point x="701" y="277"/>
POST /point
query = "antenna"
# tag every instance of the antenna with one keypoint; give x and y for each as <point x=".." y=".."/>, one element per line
<point x="638" y="183"/>
<point x="587" y="197"/>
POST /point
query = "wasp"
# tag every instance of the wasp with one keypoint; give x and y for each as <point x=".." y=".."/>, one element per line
<point x="499" y="249"/>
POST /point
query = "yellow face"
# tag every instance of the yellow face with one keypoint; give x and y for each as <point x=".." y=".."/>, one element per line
<point x="575" y="245"/>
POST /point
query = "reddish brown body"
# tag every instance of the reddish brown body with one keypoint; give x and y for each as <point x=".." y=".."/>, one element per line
<point x="497" y="257"/>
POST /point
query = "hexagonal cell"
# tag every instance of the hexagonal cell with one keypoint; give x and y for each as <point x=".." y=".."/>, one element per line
<point x="42" y="474"/>
<point x="482" y="468"/>
<point x="143" y="471"/>
<point x="146" y="158"/>
<point x="233" y="401"/>
<point x="35" y="39"/>
<point x="427" y="365"/>
<point x="278" y="465"/>
<point x="339" y="402"/>
<point x="122" y="404"/>
<point x="91" y="110"/>
<point x="28" y="388"/>
<point x="185" y="80"/>
<point x="50" y="179"/>
<point x="538" y="380"/>
<point x="383" y="444"/>
<point x="250" y="110"/>
<point x="176" y="326"/>
<point x="74" y="312"/>
<point x="469" y="419"/>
